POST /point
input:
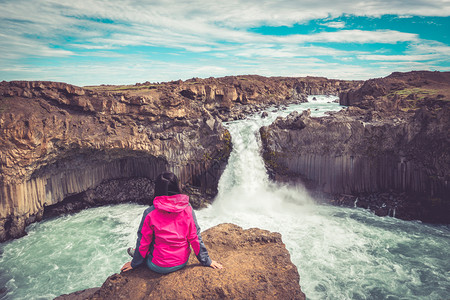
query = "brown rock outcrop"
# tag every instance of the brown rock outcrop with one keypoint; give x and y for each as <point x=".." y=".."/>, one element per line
<point x="224" y="94"/>
<point x="400" y="87"/>
<point x="256" y="266"/>
<point x="234" y="97"/>
<point x="383" y="155"/>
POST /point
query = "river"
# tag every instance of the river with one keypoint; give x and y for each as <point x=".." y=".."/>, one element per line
<point x="341" y="253"/>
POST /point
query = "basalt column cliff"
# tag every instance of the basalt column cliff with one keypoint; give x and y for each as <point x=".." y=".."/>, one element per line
<point x="60" y="142"/>
<point x="64" y="148"/>
<point x="389" y="151"/>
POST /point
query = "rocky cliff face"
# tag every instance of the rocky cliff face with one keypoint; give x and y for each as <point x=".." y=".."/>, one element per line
<point x="60" y="142"/>
<point x="389" y="153"/>
<point x="233" y="97"/>
<point x="256" y="266"/>
<point x="64" y="148"/>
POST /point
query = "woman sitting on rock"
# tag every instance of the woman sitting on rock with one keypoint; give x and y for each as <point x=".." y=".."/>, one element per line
<point x="167" y="229"/>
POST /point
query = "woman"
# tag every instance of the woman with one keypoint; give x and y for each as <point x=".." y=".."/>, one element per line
<point x="167" y="229"/>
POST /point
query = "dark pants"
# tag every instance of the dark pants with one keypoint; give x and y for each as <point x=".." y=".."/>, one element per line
<point x="162" y="270"/>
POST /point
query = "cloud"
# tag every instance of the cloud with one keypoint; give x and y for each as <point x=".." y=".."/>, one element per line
<point x="353" y="36"/>
<point x="213" y="36"/>
<point x="195" y="25"/>
<point x="291" y="51"/>
<point x="334" y="24"/>
<point x="423" y="55"/>
<point x="16" y="47"/>
<point x="398" y="57"/>
<point x="426" y="47"/>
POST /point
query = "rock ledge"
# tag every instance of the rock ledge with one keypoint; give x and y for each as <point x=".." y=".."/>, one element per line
<point x="256" y="266"/>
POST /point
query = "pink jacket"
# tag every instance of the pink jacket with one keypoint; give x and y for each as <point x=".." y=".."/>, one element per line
<point x="171" y="227"/>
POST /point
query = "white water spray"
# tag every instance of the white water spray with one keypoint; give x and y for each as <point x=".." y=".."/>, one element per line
<point x="244" y="185"/>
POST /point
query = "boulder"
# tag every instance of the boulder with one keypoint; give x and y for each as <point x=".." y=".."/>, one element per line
<point x="256" y="266"/>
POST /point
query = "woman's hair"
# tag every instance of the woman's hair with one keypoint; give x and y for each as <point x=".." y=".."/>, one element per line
<point x="166" y="184"/>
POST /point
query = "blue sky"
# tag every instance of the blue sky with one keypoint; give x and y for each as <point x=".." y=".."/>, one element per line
<point x="128" y="41"/>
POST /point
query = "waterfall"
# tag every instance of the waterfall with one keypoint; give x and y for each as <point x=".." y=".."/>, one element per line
<point x="245" y="185"/>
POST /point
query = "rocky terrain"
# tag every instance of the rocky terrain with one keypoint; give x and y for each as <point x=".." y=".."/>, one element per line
<point x="389" y="151"/>
<point x="233" y="97"/>
<point x="400" y="90"/>
<point x="256" y="264"/>
<point x="65" y="148"/>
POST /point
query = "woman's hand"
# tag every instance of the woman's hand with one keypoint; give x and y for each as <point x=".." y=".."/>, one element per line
<point x="126" y="267"/>
<point x="215" y="265"/>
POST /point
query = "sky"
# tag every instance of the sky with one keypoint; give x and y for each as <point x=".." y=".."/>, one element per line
<point x="125" y="42"/>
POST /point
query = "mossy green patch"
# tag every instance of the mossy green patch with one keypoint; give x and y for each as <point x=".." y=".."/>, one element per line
<point x="414" y="91"/>
<point x="417" y="93"/>
<point x="227" y="146"/>
<point x="410" y="105"/>
<point x="206" y="156"/>
<point x="227" y="136"/>
<point x="414" y="95"/>
<point x="271" y="159"/>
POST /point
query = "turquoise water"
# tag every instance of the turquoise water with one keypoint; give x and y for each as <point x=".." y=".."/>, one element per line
<point x="69" y="253"/>
<point x="340" y="253"/>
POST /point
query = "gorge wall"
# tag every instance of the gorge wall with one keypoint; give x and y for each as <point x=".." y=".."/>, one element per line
<point x="389" y="152"/>
<point x="65" y="148"/>
<point x="59" y="141"/>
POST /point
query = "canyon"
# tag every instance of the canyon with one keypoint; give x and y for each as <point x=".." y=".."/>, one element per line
<point x="388" y="151"/>
<point x="66" y="148"/>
